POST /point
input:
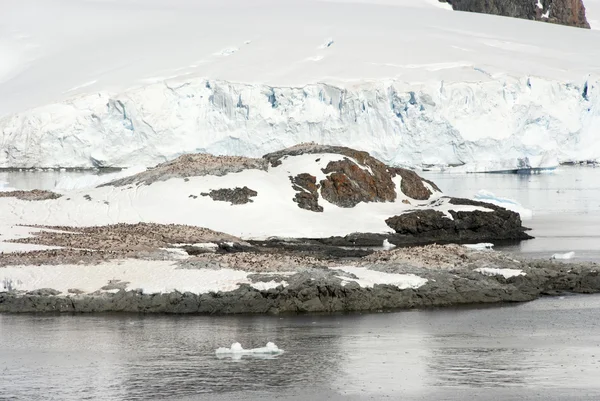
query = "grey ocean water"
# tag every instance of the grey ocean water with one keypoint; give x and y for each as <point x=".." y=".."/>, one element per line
<point x="545" y="350"/>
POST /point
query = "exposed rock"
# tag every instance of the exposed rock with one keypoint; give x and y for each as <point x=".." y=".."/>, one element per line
<point x="357" y="178"/>
<point x="193" y="165"/>
<point x="237" y="196"/>
<point x="307" y="196"/>
<point x="496" y="224"/>
<point x="33" y="195"/>
<point x="412" y="185"/>
<point x="565" y="12"/>
<point x="348" y="184"/>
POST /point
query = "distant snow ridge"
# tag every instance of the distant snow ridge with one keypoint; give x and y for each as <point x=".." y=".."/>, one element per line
<point x="423" y="124"/>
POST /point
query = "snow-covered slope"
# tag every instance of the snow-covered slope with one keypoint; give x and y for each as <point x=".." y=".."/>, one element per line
<point x="132" y="82"/>
<point x="272" y="212"/>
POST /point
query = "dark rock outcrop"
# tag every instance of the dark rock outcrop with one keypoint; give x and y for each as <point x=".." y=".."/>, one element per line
<point x="307" y="196"/>
<point x="480" y="226"/>
<point x="564" y="12"/>
<point x="237" y="196"/>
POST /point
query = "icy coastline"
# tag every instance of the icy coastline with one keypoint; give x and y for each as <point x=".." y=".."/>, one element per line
<point x="481" y="126"/>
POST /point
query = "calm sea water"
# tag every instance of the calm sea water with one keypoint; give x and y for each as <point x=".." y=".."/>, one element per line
<point x="545" y="350"/>
<point x="565" y="204"/>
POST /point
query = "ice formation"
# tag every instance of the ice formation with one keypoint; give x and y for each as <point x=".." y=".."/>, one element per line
<point x="237" y="349"/>
<point x="563" y="256"/>
<point x="510" y="204"/>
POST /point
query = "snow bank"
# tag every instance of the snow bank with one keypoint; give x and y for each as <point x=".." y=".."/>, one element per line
<point x="152" y="277"/>
<point x="429" y="100"/>
<point x="510" y="204"/>
<point x="506" y="273"/>
<point x="237" y="349"/>
<point x="563" y="256"/>
<point x="368" y="278"/>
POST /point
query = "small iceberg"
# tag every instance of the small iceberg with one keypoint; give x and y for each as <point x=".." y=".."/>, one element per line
<point x="237" y="351"/>
<point x="484" y="246"/>
<point x="387" y="245"/>
<point x="563" y="256"/>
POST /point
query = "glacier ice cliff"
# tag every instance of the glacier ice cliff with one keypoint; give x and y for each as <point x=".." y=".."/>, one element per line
<point x="436" y="123"/>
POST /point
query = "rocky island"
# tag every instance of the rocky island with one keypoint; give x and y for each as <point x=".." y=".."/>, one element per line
<point x="310" y="228"/>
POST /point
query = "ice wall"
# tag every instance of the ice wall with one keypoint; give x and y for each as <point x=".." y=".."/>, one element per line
<point x="410" y="124"/>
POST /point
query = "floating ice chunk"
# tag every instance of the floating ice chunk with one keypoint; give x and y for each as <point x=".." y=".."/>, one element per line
<point x="484" y="246"/>
<point x="387" y="245"/>
<point x="506" y="273"/>
<point x="237" y="349"/>
<point x="563" y="256"/>
<point x="510" y="204"/>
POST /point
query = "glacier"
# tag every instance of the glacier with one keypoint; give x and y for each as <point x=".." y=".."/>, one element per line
<point x="409" y="81"/>
<point x="403" y="124"/>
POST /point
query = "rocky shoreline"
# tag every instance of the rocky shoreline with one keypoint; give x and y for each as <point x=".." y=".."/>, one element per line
<point x="452" y="275"/>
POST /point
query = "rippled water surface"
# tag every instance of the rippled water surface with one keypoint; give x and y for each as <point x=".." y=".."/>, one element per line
<point x="548" y="349"/>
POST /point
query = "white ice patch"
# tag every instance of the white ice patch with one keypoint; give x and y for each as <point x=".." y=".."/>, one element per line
<point x="368" y="278"/>
<point x="563" y="256"/>
<point x="506" y="273"/>
<point x="237" y="349"/>
<point x="484" y="246"/>
<point x="510" y="204"/>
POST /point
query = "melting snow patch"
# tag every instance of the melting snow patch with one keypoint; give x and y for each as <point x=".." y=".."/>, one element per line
<point x="506" y="273"/>
<point x="368" y="278"/>
<point x="237" y="349"/>
<point x="563" y="256"/>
